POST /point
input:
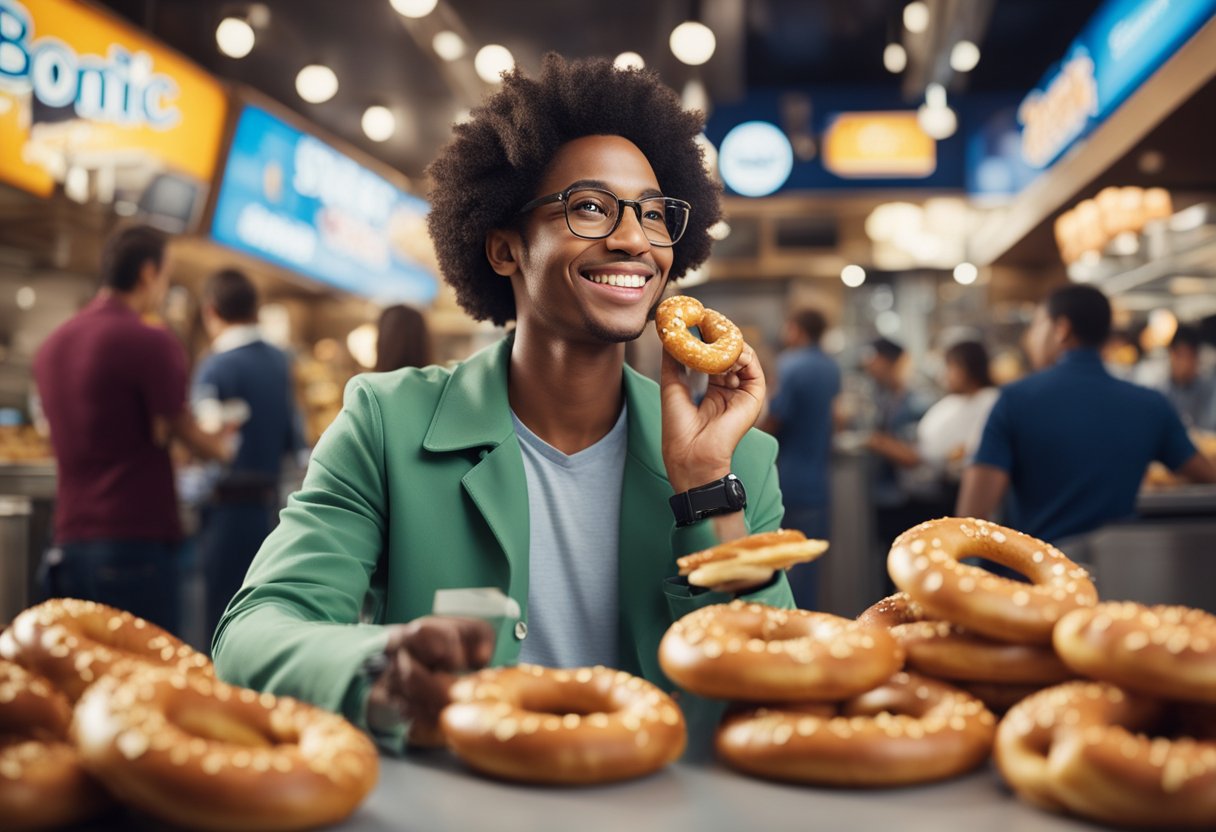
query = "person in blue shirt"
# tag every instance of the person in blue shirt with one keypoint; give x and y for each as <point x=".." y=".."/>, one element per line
<point x="242" y="508"/>
<point x="1192" y="393"/>
<point x="800" y="416"/>
<point x="1071" y="443"/>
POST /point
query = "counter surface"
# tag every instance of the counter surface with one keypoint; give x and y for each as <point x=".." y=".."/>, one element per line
<point x="433" y="792"/>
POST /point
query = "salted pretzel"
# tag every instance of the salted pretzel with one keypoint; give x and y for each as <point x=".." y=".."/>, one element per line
<point x="723" y="342"/>
<point x="750" y="558"/>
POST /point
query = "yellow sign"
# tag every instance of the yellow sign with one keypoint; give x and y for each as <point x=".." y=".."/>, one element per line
<point x="94" y="104"/>
<point x="889" y="144"/>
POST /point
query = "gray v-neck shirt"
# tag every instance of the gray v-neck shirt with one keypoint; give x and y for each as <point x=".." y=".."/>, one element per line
<point x="574" y="505"/>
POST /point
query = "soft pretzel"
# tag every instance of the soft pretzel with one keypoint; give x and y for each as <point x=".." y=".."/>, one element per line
<point x="909" y="730"/>
<point x="1096" y="750"/>
<point x="74" y="642"/>
<point x="42" y="784"/>
<point x="205" y="755"/>
<point x="723" y="342"/>
<point x="580" y="726"/>
<point x="946" y="651"/>
<point x="1158" y="651"/>
<point x="924" y="562"/>
<point x="756" y="653"/>
<point x="750" y="558"/>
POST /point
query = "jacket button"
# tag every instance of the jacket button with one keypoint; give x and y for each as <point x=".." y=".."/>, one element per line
<point x="521" y="630"/>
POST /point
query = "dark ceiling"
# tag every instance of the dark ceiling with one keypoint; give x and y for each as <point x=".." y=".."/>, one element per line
<point x="380" y="58"/>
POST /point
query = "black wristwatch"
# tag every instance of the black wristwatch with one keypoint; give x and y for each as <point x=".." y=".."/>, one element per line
<point x="718" y="497"/>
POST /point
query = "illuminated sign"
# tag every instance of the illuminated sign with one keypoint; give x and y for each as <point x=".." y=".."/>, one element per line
<point x="289" y="198"/>
<point x="888" y="144"/>
<point x="94" y="105"/>
<point x="1121" y="46"/>
<point x="755" y="158"/>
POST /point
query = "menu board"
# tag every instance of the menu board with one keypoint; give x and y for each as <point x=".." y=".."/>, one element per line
<point x="291" y="199"/>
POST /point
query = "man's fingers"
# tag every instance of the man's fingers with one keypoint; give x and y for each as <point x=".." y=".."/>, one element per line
<point x="477" y="637"/>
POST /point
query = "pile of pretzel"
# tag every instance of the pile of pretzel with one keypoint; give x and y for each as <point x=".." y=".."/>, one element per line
<point x="750" y="559"/>
<point x="1111" y="707"/>
<point x="99" y="708"/>
<point x="1087" y="229"/>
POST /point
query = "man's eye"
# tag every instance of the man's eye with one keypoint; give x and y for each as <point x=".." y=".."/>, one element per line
<point x="590" y="206"/>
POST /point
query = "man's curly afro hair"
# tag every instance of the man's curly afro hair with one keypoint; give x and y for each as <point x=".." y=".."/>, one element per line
<point x="493" y="163"/>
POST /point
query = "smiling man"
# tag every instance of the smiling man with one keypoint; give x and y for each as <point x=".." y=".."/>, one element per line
<point x="542" y="465"/>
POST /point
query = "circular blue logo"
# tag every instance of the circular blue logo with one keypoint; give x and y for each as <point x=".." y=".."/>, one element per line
<point x="755" y="158"/>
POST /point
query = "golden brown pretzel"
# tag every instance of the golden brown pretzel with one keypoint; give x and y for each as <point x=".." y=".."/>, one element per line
<point x="1093" y="749"/>
<point x="755" y="653"/>
<point x="723" y="342"/>
<point x="197" y="752"/>
<point x="1158" y="651"/>
<point x="999" y="697"/>
<point x="74" y="642"/>
<point x="754" y="557"/>
<point x="42" y="784"/>
<point x="909" y="730"/>
<point x="945" y="651"/>
<point x="924" y="562"/>
<point x="579" y="726"/>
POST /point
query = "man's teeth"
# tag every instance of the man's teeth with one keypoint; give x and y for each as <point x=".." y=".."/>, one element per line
<point x="628" y="281"/>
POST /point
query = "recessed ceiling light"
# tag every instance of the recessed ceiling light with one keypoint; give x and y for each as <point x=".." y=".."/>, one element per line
<point x="414" y="8"/>
<point x="234" y="37"/>
<point x="448" y="45"/>
<point x="966" y="273"/>
<point x="916" y="17"/>
<point x="692" y="42"/>
<point x="379" y="123"/>
<point x="965" y="56"/>
<point x="629" y="60"/>
<point x="895" y="58"/>
<point x="853" y="275"/>
<point x="316" y="83"/>
<point x="492" y="61"/>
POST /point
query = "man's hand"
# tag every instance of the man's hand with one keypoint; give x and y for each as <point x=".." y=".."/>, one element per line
<point x="424" y="657"/>
<point x="699" y="440"/>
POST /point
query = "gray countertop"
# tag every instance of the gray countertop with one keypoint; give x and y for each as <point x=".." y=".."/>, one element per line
<point x="432" y="791"/>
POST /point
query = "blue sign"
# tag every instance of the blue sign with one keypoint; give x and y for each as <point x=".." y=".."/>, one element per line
<point x="1119" y="48"/>
<point x="293" y="200"/>
<point x="755" y="158"/>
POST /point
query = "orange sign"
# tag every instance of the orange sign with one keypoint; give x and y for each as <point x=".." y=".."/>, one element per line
<point x="99" y="107"/>
<point x="881" y="144"/>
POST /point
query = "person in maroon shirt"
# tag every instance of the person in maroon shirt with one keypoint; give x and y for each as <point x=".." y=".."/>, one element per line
<point x="113" y="390"/>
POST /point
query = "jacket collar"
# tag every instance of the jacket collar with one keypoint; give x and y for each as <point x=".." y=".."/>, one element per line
<point x="474" y="410"/>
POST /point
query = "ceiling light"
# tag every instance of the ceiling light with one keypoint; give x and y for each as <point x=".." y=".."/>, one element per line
<point x="26" y="298"/>
<point x="965" y="273"/>
<point x="937" y="122"/>
<point x="414" y="8"/>
<point x="448" y="45"/>
<point x="692" y="42"/>
<point x="234" y="37"/>
<point x="316" y="83"/>
<point x="629" y="60"/>
<point x="916" y="17"/>
<point x="964" y="56"/>
<point x="718" y="231"/>
<point x="895" y="58"/>
<point x="853" y="276"/>
<point x="379" y="123"/>
<point x="362" y="342"/>
<point x="492" y="61"/>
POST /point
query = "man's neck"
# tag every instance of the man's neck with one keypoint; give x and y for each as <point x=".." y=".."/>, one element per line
<point x="235" y="334"/>
<point x="135" y="301"/>
<point x="568" y="394"/>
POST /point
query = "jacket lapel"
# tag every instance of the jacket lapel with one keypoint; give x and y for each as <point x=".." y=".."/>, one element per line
<point x="474" y="413"/>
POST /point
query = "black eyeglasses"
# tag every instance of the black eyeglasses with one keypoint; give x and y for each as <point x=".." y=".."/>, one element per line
<point x="594" y="213"/>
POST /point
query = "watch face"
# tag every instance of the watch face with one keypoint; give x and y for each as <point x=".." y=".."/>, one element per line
<point x="735" y="493"/>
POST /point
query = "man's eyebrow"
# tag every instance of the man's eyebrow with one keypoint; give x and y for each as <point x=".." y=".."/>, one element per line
<point x="597" y="183"/>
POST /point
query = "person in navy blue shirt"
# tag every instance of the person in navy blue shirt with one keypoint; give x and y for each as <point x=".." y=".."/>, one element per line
<point x="1071" y="442"/>
<point x="801" y="417"/>
<point x="243" y="506"/>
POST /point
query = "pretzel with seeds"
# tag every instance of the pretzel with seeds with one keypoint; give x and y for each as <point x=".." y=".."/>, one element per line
<point x="911" y="729"/>
<point x="925" y="563"/>
<point x="538" y="725"/>
<point x="723" y="342"/>
<point x="752" y="558"/>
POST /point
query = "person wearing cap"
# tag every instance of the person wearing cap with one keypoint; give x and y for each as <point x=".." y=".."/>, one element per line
<point x="1070" y="443"/>
<point x="800" y="415"/>
<point x="542" y="465"/>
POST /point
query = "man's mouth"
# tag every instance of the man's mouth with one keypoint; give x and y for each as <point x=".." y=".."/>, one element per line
<point x="624" y="281"/>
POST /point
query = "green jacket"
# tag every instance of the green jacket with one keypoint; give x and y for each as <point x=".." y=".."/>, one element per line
<point x="419" y="485"/>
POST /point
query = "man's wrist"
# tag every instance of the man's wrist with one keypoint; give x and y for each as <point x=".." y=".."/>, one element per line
<point x="685" y="479"/>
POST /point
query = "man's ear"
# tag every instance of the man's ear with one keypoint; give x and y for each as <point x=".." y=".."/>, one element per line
<point x="503" y="247"/>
